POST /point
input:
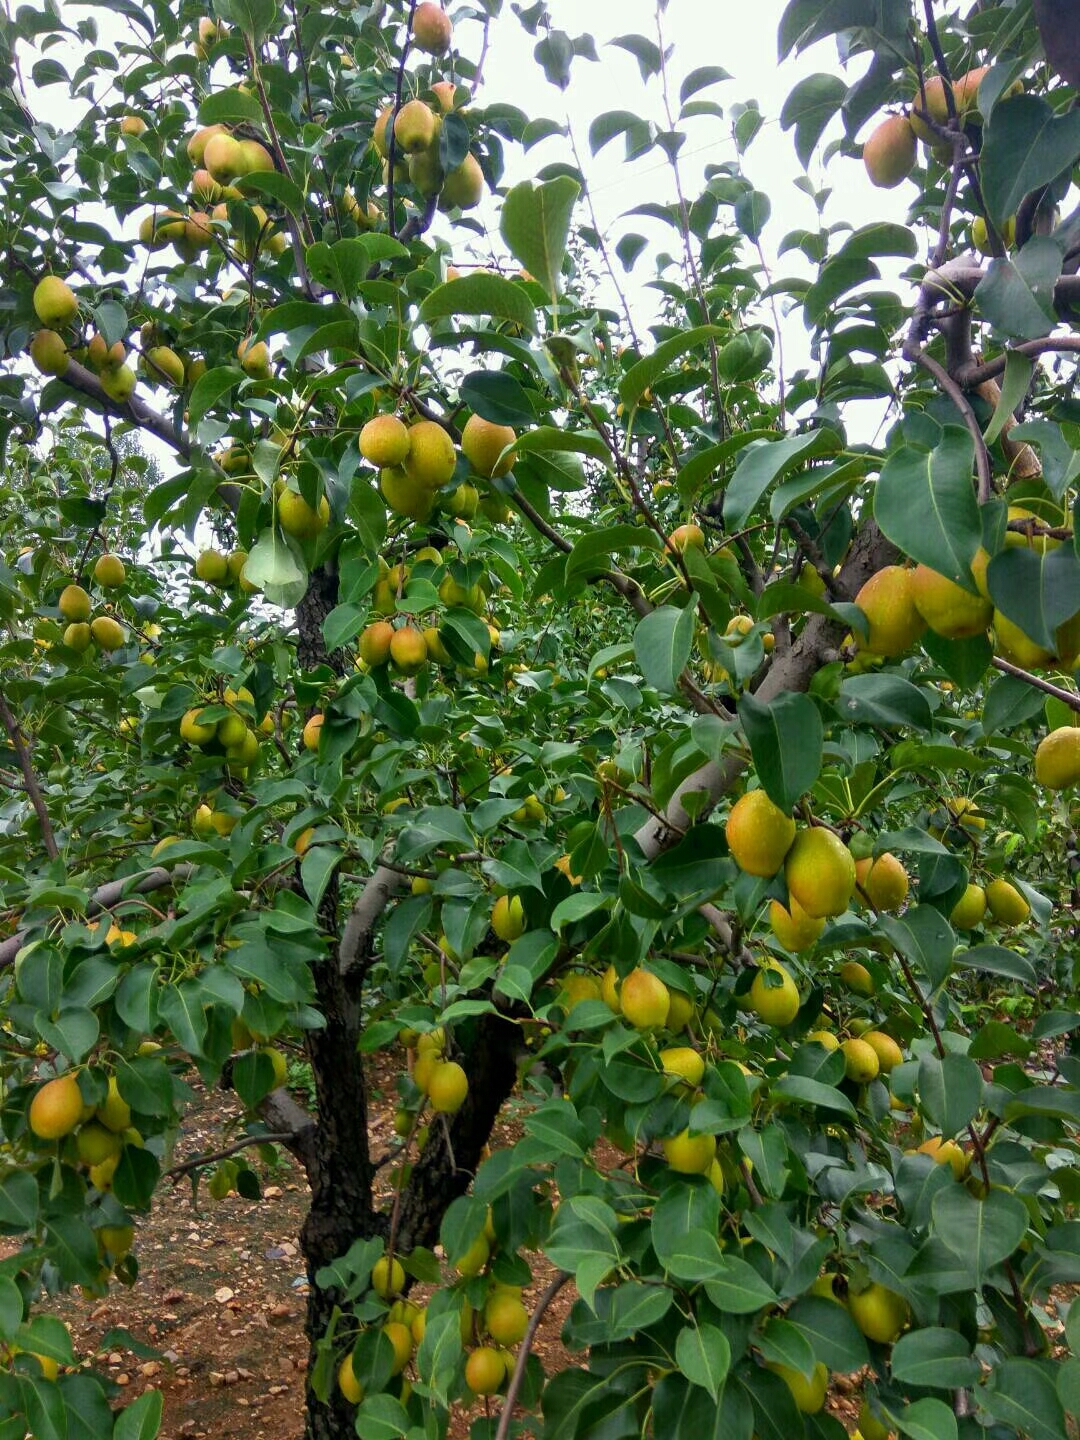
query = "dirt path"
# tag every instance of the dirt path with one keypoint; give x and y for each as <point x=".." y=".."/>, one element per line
<point x="220" y="1295"/>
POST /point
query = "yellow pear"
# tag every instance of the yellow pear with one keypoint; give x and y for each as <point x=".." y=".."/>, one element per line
<point x="795" y="930"/>
<point x="463" y="188"/>
<point x="759" y="834"/>
<point x="414" y="127"/>
<point x="948" y="608"/>
<point x="820" y="872"/>
<point x="482" y="443"/>
<point x="1057" y="760"/>
<point x="384" y="441"/>
<point x="890" y="152"/>
<point x="432" y="458"/>
<point x="969" y="910"/>
<point x="644" y="1000"/>
<point x="55" y="303"/>
<point x="887" y="601"/>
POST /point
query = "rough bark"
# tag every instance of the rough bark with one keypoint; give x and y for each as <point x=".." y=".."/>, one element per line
<point x="449" y="1160"/>
<point x="792" y="671"/>
<point x="339" y="1169"/>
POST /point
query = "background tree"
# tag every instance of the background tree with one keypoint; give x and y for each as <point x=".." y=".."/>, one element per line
<point x="556" y="701"/>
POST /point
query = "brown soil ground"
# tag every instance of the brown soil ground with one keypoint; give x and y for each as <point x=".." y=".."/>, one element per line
<point x="216" y="1318"/>
<point x="220" y="1298"/>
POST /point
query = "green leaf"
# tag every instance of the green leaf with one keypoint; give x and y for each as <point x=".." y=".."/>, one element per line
<point x="1017" y="294"/>
<point x="440" y="1351"/>
<point x="982" y="1233"/>
<point x="923" y="936"/>
<point x="1035" y="590"/>
<point x="141" y="1420"/>
<point x="1009" y="702"/>
<point x="591" y="553"/>
<point x="934" y="1358"/>
<point x="1019" y="1394"/>
<point x="763" y="463"/>
<point x="111" y="319"/>
<point x="997" y="960"/>
<point x="809" y="108"/>
<point x="546" y="438"/>
<point x="1014" y="386"/>
<point x="738" y="1288"/>
<point x="11" y="1308"/>
<point x="701" y="79"/>
<point x="381" y="1417"/>
<point x="535" y="224"/>
<point x="950" y="1091"/>
<point x="491" y="295"/>
<point x="497" y="397"/>
<point x="803" y="1089"/>
<point x="645" y="51"/>
<point x="74" y="1032"/>
<point x="1062" y="1103"/>
<point x="926" y="1420"/>
<point x="46" y="1335"/>
<point x="181" y="1008"/>
<point x="925" y="503"/>
<point x="316" y="868"/>
<point x="227" y="107"/>
<point x="639" y="133"/>
<point x="633" y="1306"/>
<point x="884" y="700"/>
<point x="786" y="739"/>
<point x="1025" y="145"/>
<point x="752" y="211"/>
<point x="515" y="868"/>
<point x="834" y="1337"/>
<point x="703" y="1355"/>
<point x="1060" y="462"/>
<point x="73" y="1248"/>
<point x="18" y="1202"/>
<point x="278" y="187"/>
<point x="273" y="567"/>
<point x="662" y="644"/>
<point x="646" y="372"/>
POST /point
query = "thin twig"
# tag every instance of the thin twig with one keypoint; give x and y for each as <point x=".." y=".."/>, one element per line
<point x="391" y="149"/>
<point x="114" y="457"/>
<point x="960" y="400"/>
<point x="277" y="1137"/>
<point x="1067" y="697"/>
<point x="514" y="1388"/>
<point x="722" y="426"/>
<point x="33" y="789"/>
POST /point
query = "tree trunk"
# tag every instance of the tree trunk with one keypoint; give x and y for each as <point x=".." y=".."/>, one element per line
<point x="339" y="1171"/>
<point x="446" y="1168"/>
<point x="338" y="1161"/>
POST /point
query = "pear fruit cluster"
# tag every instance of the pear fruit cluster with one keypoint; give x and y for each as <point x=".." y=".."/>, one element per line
<point x="416" y="129"/>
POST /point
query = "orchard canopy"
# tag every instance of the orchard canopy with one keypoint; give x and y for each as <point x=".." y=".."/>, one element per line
<point x="440" y="624"/>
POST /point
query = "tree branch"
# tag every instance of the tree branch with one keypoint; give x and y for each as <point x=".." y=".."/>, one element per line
<point x="79" y="378"/>
<point x="200" y="1161"/>
<point x="514" y="1388"/>
<point x="973" y="376"/>
<point x="792" y="671"/>
<point x="1065" y="696"/>
<point x="354" y="948"/>
<point x="33" y="789"/>
<point x="629" y="589"/>
<point x="105" y="897"/>
<point x="391" y="147"/>
<point x="960" y="400"/>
